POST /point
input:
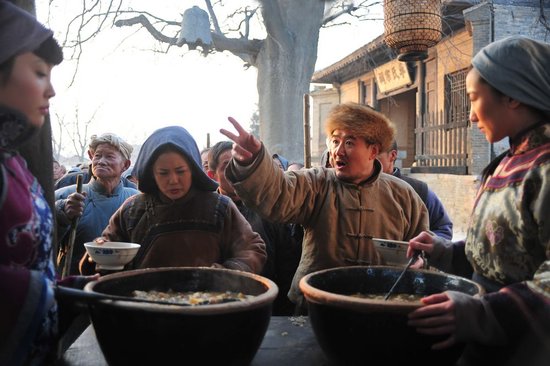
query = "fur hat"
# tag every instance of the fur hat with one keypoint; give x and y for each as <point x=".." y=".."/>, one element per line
<point x="363" y="121"/>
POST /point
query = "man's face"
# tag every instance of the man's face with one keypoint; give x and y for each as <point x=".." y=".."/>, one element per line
<point x="204" y="161"/>
<point x="108" y="162"/>
<point x="219" y="175"/>
<point x="57" y="171"/>
<point x="352" y="157"/>
<point x="387" y="159"/>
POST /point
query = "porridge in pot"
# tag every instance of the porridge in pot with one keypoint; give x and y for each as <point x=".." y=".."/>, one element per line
<point x="192" y="297"/>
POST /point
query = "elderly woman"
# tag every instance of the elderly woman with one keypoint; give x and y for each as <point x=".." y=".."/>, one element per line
<point x="508" y="241"/>
<point x="100" y="198"/>
<point x="179" y="219"/>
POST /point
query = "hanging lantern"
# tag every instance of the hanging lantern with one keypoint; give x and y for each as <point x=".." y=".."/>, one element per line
<point x="195" y="30"/>
<point x="412" y="26"/>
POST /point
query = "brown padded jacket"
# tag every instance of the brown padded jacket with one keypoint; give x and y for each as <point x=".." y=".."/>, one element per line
<point x="339" y="218"/>
<point x="201" y="229"/>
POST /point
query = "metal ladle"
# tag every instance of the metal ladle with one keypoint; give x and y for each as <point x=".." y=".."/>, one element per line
<point x="411" y="261"/>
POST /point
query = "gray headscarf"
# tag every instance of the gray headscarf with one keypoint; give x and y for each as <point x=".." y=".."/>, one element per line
<point x="20" y="32"/>
<point x="518" y="67"/>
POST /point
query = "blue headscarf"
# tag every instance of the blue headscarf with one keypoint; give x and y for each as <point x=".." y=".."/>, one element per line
<point x="180" y="140"/>
<point x="284" y="162"/>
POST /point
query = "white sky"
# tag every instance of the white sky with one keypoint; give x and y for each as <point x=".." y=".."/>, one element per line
<point x="134" y="91"/>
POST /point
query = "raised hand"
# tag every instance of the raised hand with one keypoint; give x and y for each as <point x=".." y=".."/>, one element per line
<point x="245" y="147"/>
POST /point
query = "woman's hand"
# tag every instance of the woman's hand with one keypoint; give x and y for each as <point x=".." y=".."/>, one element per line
<point x="437" y="317"/>
<point x="245" y="147"/>
<point x="100" y="241"/>
<point x="423" y="242"/>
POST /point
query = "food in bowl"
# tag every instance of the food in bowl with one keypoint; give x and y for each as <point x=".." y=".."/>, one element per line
<point x="112" y="255"/>
<point x="353" y="330"/>
<point x="192" y="297"/>
<point x="395" y="297"/>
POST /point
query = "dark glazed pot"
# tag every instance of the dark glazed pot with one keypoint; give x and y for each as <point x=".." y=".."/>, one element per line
<point x="357" y="331"/>
<point x="131" y="333"/>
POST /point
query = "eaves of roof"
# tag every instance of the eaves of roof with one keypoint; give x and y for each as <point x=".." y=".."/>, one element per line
<point x="358" y="62"/>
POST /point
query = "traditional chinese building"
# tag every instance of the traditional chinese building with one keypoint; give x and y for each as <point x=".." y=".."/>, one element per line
<point x="427" y="99"/>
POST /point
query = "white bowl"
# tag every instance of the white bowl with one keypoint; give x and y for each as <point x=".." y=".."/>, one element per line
<point x="112" y="255"/>
<point x="394" y="252"/>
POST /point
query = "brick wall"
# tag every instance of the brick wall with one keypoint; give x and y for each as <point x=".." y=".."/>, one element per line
<point x="457" y="193"/>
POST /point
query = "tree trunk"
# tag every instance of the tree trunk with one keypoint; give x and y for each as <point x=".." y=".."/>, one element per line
<point x="285" y="65"/>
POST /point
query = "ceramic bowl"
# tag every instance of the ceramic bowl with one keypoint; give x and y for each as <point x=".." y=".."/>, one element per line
<point x="112" y="255"/>
<point x="353" y="330"/>
<point x="131" y="333"/>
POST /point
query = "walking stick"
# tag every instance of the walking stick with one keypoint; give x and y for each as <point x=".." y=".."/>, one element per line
<point x="72" y="235"/>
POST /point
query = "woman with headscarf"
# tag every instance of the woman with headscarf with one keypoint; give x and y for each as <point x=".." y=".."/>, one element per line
<point x="508" y="242"/>
<point x="29" y="314"/>
<point x="179" y="219"/>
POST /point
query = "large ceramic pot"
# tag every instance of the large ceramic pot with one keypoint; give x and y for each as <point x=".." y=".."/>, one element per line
<point x="356" y="331"/>
<point x="136" y="333"/>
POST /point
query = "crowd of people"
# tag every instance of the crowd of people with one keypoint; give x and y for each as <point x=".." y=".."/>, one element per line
<point x="236" y="205"/>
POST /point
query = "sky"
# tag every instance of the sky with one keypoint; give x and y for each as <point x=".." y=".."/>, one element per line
<point x="130" y="90"/>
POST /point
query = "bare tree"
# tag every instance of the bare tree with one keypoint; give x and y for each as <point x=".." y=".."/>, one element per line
<point x="79" y="134"/>
<point x="285" y="58"/>
<point x="57" y="146"/>
<point x="77" y="131"/>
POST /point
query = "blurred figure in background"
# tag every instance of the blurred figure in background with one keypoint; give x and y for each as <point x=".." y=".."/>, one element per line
<point x="280" y="161"/>
<point x="440" y="222"/>
<point x="283" y="255"/>
<point x="58" y="170"/>
<point x="204" y="159"/>
<point x="295" y="166"/>
<point x="129" y="175"/>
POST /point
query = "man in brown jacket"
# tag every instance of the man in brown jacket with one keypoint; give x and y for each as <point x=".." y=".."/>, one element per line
<point x="341" y="208"/>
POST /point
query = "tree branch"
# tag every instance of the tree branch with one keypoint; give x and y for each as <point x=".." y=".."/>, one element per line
<point x="237" y="46"/>
<point x="215" y="23"/>
<point x="240" y="47"/>
<point x="142" y="19"/>
<point x="273" y="21"/>
<point x="349" y="9"/>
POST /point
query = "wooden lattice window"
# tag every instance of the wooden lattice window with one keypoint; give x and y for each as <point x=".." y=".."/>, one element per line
<point x="457" y="104"/>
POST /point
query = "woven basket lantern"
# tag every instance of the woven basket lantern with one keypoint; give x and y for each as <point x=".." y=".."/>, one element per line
<point x="412" y="26"/>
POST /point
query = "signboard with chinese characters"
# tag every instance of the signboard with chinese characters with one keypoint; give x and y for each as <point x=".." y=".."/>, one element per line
<point x="391" y="76"/>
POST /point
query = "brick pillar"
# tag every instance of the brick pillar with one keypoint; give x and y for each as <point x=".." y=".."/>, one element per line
<point x="479" y="20"/>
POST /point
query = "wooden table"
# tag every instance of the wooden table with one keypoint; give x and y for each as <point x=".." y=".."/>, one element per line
<point x="288" y="341"/>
